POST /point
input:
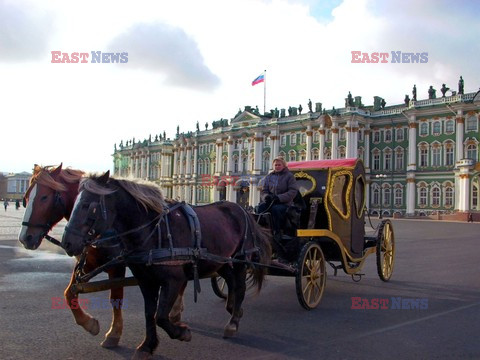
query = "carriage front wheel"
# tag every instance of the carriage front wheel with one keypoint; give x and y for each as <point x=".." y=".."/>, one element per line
<point x="311" y="276"/>
<point x="385" y="250"/>
<point x="219" y="286"/>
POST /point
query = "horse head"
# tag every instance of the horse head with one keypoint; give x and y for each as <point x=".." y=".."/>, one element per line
<point x="93" y="214"/>
<point x="46" y="203"/>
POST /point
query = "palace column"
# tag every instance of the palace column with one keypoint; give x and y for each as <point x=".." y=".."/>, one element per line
<point x="175" y="174"/>
<point x="230" y="145"/>
<point x="309" y="142"/>
<point x="460" y="120"/>
<point x="194" y="175"/>
<point x="321" y="145"/>
<point x="412" y="165"/>
<point x="334" y="149"/>
<point x="366" y="156"/>
<point x="218" y="157"/>
<point x="240" y="150"/>
<point x="257" y="153"/>
<point x="352" y="139"/>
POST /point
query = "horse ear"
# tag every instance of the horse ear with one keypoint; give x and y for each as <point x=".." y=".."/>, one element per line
<point x="104" y="178"/>
<point x="57" y="171"/>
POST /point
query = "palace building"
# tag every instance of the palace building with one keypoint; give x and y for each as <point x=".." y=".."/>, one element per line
<point x="421" y="157"/>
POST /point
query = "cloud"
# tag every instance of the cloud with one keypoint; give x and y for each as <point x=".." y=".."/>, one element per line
<point x="24" y="32"/>
<point x="168" y="50"/>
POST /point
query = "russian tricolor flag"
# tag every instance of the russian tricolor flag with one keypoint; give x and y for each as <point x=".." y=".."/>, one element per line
<point x="259" y="79"/>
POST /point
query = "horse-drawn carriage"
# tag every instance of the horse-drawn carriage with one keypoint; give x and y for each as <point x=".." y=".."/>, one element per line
<point x="327" y="225"/>
<point x="165" y="244"/>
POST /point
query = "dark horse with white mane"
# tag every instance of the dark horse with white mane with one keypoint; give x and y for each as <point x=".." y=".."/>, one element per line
<point x="50" y="198"/>
<point x="167" y="244"/>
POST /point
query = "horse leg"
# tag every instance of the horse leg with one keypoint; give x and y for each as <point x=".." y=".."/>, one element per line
<point x="82" y="318"/>
<point x="227" y="273"/>
<point x="240" y="275"/>
<point x="112" y="337"/>
<point x="168" y="295"/>
<point x="175" y="315"/>
<point x="150" y="298"/>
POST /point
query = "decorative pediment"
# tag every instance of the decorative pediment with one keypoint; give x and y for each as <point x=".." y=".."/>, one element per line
<point x="245" y="118"/>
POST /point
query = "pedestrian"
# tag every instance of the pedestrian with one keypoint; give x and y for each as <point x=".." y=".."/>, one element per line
<point x="5" y="203"/>
<point x="470" y="217"/>
<point x="17" y="204"/>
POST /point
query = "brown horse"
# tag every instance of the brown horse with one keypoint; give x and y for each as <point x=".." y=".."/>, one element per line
<point x="50" y="198"/>
<point x="168" y="244"/>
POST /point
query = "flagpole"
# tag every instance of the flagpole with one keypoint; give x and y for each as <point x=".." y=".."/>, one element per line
<point x="264" y="91"/>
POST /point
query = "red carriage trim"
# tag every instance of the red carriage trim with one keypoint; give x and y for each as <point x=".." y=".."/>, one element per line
<point x="321" y="164"/>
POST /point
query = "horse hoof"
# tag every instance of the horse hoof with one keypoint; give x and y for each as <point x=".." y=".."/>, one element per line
<point x="92" y="326"/>
<point x="110" y="342"/>
<point x="141" y="355"/>
<point x="186" y="335"/>
<point x="230" y="331"/>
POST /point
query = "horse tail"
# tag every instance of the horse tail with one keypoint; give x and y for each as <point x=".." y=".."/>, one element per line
<point x="263" y="255"/>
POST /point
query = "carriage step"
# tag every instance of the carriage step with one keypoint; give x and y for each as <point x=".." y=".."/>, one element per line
<point x="370" y="242"/>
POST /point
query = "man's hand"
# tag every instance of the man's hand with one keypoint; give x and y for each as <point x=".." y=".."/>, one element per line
<point x="275" y="200"/>
<point x="268" y="199"/>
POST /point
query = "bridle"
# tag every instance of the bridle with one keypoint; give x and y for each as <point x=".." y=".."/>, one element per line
<point x="58" y="202"/>
<point x="97" y="212"/>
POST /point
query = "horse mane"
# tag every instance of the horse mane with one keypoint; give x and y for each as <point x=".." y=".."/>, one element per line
<point x="41" y="175"/>
<point x="147" y="194"/>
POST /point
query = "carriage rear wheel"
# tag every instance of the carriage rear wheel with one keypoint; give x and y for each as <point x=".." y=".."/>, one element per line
<point x="385" y="250"/>
<point x="311" y="276"/>
<point x="219" y="286"/>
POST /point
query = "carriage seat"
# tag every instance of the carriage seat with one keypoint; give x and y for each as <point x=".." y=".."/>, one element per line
<point x="294" y="214"/>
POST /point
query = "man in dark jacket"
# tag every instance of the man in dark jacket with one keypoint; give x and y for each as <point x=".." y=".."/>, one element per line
<point x="279" y="190"/>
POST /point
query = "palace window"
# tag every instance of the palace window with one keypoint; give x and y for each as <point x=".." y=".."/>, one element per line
<point x="376" y="161"/>
<point x="292" y="156"/>
<point x="398" y="197"/>
<point x="328" y="136"/>
<point x="472" y="152"/>
<point x="386" y="197"/>
<point x="283" y="140"/>
<point x="423" y="157"/>
<point x="424" y="129"/>
<point x="449" y="158"/>
<point x="303" y="155"/>
<point x="388" y="160"/>
<point x="360" y="135"/>
<point x="435" y="196"/>
<point x="316" y="137"/>
<point x="341" y="152"/>
<point x="449" y="126"/>
<point x="472" y="123"/>
<point x="266" y="162"/>
<point x="436" y="161"/>
<point x="376" y="196"/>
<point x="303" y="138"/>
<point x="314" y="154"/>
<point x="328" y="154"/>
<point x="399" y="160"/>
<point x="376" y="137"/>
<point x="342" y="135"/>
<point x="437" y="128"/>
<point x="293" y="139"/>
<point x="423" y="196"/>
<point x="448" y="197"/>
<point x="399" y="135"/>
<point x="388" y="135"/>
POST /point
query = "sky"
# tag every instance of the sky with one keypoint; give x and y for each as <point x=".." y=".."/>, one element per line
<point x="192" y="61"/>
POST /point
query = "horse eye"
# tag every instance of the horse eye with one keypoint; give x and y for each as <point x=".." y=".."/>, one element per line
<point x="44" y="198"/>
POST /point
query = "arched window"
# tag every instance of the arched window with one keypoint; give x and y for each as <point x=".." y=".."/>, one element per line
<point x="376" y="196"/>
<point x="207" y="166"/>
<point x="200" y="166"/>
<point x="303" y="155"/>
<point x="398" y="197"/>
<point x="449" y="154"/>
<point x="388" y="135"/>
<point x="422" y="199"/>
<point x="448" y="197"/>
<point x="315" y="154"/>
<point x="316" y="137"/>
<point x="472" y="152"/>
<point x="341" y="152"/>
<point x="437" y="128"/>
<point x="266" y="162"/>
<point x="436" y="158"/>
<point x="342" y="135"/>
<point x="399" y="134"/>
<point x="292" y="156"/>
<point x="386" y="196"/>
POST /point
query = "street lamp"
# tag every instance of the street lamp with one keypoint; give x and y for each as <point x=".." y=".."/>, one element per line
<point x="380" y="177"/>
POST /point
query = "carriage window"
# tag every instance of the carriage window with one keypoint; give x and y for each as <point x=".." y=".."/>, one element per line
<point x="340" y="193"/>
<point x="306" y="183"/>
<point x="359" y="195"/>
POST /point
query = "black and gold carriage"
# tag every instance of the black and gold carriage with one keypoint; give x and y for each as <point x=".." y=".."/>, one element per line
<point x="329" y="228"/>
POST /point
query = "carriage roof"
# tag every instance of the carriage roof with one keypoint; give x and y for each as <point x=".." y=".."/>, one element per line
<point x="322" y="164"/>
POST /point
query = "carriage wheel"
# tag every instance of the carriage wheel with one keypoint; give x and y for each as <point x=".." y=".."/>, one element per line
<point x="311" y="276"/>
<point x="385" y="250"/>
<point x="219" y="286"/>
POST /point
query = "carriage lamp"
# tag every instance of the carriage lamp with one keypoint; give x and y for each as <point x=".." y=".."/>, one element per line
<point x="381" y="177"/>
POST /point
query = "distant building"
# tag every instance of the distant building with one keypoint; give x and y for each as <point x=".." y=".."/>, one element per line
<point x="15" y="185"/>
<point x="420" y="156"/>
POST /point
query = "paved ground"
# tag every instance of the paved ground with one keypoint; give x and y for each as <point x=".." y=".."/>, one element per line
<point x="436" y="264"/>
